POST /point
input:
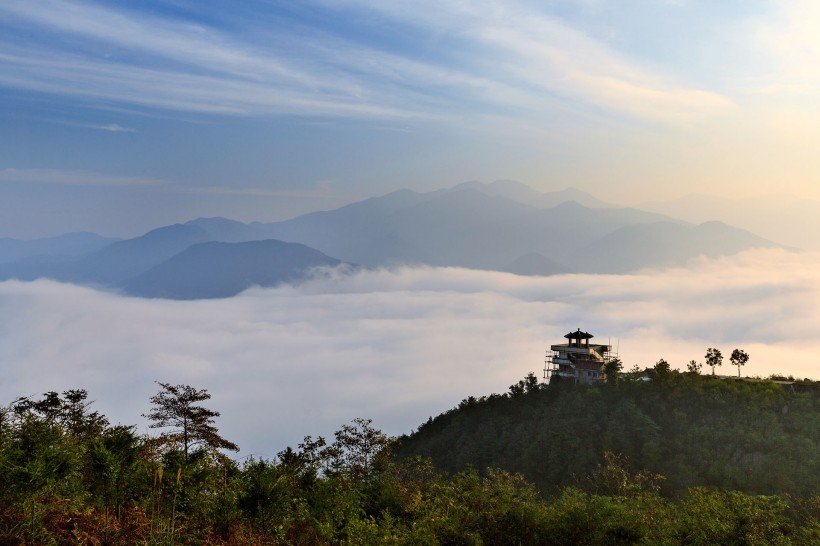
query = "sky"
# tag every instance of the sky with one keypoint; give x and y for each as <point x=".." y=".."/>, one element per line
<point x="119" y="117"/>
<point x="397" y="346"/>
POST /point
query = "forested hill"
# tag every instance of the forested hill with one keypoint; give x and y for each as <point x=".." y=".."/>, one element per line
<point x="756" y="437"/>
<point x="67" y="476"/>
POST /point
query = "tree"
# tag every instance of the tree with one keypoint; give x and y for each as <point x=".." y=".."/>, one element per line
<point x="693" y="367"/>
<point x="713" y="358"/>
<point x="612" y="371"/>
<point x="661" y="372"/>
<point x="517" y="389"/>
<point x="112" y="462"/>
<point x="70" y="413"/>
<point x="192" y="425"/>
<point x="528" y="384"/>
<point x="739" y="358"/>
<point x="531" y="382"/>
<point x="357" y="449"/>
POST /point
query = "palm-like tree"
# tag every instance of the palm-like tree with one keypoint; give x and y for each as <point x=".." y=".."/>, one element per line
<point x="739" y="358"/>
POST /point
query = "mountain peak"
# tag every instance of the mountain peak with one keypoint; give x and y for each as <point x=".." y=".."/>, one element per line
<point x="517" y="191"/>
<point x="219" y="220"/>
<point x="218" y="270"/>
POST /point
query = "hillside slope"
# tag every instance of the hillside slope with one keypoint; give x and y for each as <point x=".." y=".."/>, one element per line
<point x="761" y="438"/>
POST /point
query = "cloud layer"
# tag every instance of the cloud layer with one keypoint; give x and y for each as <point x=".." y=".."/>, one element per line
<point x="396" y="346"/>
<point x="510" y="57"/>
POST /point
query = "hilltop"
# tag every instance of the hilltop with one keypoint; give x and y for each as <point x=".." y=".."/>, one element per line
<point x="67" y="475"/>
<point x="759" y="437"/>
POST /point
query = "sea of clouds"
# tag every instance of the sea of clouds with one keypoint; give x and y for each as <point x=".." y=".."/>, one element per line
<point x="394" y="345"/>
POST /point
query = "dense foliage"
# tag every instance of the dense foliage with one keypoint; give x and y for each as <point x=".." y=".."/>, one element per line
<point x="67" y="476"/>
<point x="759" y="437"/>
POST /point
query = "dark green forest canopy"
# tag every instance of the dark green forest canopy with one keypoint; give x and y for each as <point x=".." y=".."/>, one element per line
<point x="759" y="437"/>
<point x="67" y="476"/>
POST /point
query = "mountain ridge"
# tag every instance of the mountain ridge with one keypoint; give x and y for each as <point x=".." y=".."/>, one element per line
<point x="218" y="269"/>
<point x="472" y="225"/>
<point x="783" y="218"/>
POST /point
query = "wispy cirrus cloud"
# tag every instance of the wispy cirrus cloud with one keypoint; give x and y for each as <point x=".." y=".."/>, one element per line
<point x="74" y="178"/>
<point x="503" y="59"/>
<point x="322" y="188"/>
<point x="168" y="40"/>
<point x="112" y="128"/>
<point x="322" y="191"/>
<point x="536" y="54"/>
<point x="68" y="74"/>
<point x="107" y="127"/>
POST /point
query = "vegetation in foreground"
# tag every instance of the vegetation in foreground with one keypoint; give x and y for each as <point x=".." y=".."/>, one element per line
<point x="67" y="476"/>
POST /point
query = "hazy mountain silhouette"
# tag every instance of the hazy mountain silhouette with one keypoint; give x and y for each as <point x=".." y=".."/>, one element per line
<point x="69" y="244"/>
<point x="522" y="193"/>
<point x="436" y="231"/>
<point x="358" y="232"/>
<point x="664" y="244"/>
<point x="503" y="226"/>
<point x="230" y="231"/>
<point x="125" y="259"/>
<point x="785" y="219"/>
<point x="220" y="270"/>
<point x="459" y="227"/>
<point x="113" y="263"/>
<point x="557" y="233"/>
<point x="470" y="228"/>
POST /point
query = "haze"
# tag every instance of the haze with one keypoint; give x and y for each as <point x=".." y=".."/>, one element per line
<point x="119" y="118"/>
<point x="396" y="346"/>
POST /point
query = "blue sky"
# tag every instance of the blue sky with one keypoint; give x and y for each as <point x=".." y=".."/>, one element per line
<point x="117" y="117"/>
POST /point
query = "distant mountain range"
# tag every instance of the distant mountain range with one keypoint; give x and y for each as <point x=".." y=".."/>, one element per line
<point x="789" y="220"/>
<point x="522" y="193"/>
<point x="221" y="270"/>
<point x="70" y="244"/>
<point x="503" y="226"/>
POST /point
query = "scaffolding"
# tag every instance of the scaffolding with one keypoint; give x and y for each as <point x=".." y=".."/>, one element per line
<point x="577" y="359"/>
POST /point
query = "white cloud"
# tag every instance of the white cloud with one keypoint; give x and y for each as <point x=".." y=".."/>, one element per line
<point x="112" y="128"/>
<point x="506" y="58"/>
<point x="396" y="346"/>
<point x="65" y="74"/>
<point x="86" y="178"/>
<point x="185" y="43"/>
<point x="532" y="57"/>
<point x="73" y="178"/>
